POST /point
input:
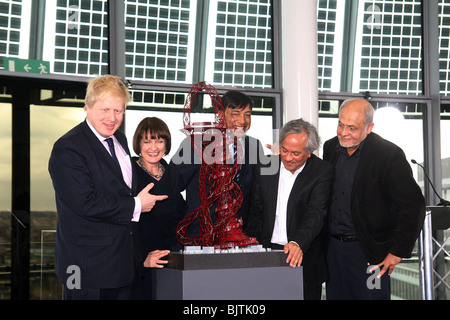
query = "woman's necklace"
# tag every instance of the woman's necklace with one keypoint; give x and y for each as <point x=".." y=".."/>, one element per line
<point x="156" y="176"/>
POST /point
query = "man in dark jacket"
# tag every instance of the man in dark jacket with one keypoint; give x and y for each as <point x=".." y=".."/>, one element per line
<point x="376" y="211"/>
<point x="289" y="207"/>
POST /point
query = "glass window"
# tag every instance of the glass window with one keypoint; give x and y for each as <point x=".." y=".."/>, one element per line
<point x="47" y="124"/>
<point x="370" y="45"/>
<point x="160" y="39"/>
<point x="72" y="36"/>
<point x="239" y="45"/>
<point x="173" y="41"/>
<point x="329" y="38"/>
<point x="444" y="48"/>
<point x="445" y="150"/>
<point x="76" y="36"/>
<point x="14" y="29"/>
<point x="389" y="42"/>
<point x="225" y="42"/>
<point x="5" y="195"/>
<point x="443" y="238"/>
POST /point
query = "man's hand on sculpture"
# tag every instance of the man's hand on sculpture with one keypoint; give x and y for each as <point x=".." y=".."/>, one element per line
<point x="295" y="254"/>
<point x="154" y="259"/>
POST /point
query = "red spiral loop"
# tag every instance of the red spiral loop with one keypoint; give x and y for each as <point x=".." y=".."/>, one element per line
<point x="216" y="182"/>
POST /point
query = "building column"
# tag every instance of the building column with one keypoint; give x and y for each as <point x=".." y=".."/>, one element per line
<point x="299" y="60"/>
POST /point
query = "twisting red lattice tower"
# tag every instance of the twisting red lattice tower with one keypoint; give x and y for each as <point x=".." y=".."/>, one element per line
<point x="211" y="140"/>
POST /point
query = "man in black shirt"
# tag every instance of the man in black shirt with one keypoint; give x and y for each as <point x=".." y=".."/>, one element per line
<point x="340" y="219"/>
<point x="377" y="209"/>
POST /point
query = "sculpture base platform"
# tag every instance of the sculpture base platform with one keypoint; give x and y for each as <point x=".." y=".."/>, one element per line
<point x="230" y="276"/>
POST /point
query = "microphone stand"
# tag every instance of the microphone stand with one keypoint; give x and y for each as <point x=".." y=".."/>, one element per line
<point x="442" y="202"/>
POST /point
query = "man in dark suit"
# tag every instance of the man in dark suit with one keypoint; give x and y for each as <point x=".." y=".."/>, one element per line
<point x="376" y="211"/>
<point x="94" y="254"/>
<point x="238" y="111"/>
<point x="289" y="207"/>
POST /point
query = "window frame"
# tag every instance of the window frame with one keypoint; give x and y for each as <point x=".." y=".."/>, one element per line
<point x="430" y="96"/>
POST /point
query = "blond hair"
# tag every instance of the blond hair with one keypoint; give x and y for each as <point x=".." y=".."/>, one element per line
<point x="106" y="85"/>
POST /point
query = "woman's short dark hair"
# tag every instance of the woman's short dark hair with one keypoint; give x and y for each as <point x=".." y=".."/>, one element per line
<point x="151" y="128"/>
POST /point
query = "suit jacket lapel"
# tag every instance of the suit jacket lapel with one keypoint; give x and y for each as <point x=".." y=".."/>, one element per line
<point x="272" y="181"/>
<point x="101" y="151"/>
<point x="333" y="152"/>
<point x="123" y="142"/>
<point x="97" y="145"/>
<point x="364" y="160"/>
<point x="244" y="166"/>
<point x="299" y="183"/>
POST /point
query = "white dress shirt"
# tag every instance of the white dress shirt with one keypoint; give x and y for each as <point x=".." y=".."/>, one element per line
<point x="285" y="184"/>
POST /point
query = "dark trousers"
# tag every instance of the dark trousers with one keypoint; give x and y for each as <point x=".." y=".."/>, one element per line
<point x="124" y="293"/>
<point x="348" y="274"/>
<point x="312" y="293"/>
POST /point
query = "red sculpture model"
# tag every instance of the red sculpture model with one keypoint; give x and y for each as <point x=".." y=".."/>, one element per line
<point x="217" y="176"/>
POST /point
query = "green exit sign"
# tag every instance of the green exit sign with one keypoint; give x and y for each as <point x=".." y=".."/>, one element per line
<point x="26" y="65"/>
